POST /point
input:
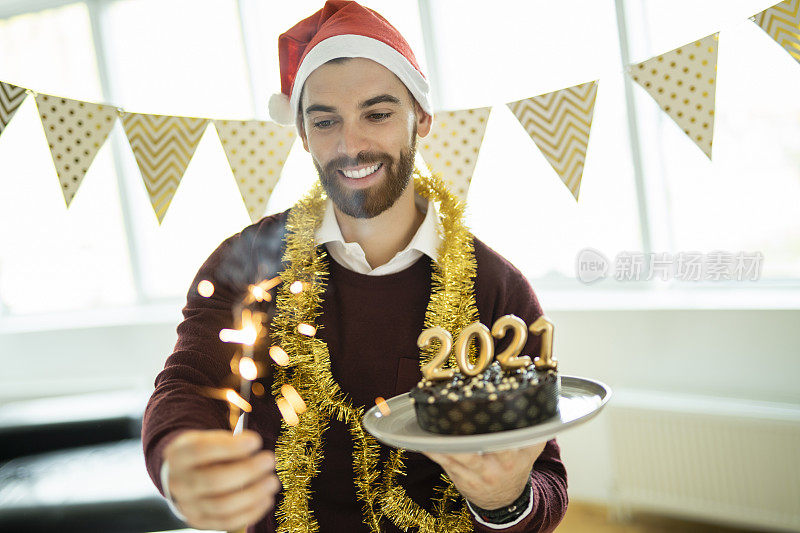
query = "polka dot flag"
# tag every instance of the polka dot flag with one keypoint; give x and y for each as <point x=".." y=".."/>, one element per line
<point x="451" y="148"/>
<point x="683" y="82"/>
<point x="256" y="152"/>
<point x="75" y="131"/>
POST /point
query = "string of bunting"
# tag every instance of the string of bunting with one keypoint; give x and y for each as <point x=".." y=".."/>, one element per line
<point x="682" y="82"/>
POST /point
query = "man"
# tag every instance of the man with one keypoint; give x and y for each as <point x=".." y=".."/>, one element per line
<point x="352" y="85"/>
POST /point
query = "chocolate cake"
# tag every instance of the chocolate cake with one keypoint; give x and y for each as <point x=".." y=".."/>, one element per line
<point x="494" y="400"/>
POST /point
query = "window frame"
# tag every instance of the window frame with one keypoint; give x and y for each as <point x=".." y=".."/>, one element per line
<point x="560" y="291"/>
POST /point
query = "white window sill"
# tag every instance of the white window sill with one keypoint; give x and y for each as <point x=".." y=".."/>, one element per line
<point x="758" y="296"/>
<point x="164" y="312"/>
<point x="656" y="299"/>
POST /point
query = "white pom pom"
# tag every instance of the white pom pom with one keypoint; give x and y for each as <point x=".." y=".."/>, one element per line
<point x="279" y="109"/>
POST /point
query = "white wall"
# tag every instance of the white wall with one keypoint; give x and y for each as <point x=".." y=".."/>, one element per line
<point x="736" y="354"/>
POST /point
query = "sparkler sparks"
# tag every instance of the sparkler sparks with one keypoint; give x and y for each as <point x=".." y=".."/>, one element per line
<point x="306" y="329"/>
<point x="294" y="399"/>
<point x="230" y="396"/>
<point x="288" y="414"/>
<point x="246" y="336"/>
<point x="205" y="288"/>
<point x="383" y="406"/>
<point x="259" y="294"/>
<point x="279" y="355"/>
<point x="248" y="369"/>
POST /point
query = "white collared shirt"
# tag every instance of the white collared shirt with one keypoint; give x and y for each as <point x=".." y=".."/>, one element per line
<point x="351" y="256"/>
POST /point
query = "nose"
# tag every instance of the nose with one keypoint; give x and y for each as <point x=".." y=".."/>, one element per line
<point x="353" y="141"/>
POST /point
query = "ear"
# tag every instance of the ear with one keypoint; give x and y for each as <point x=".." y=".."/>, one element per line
<point x="424" y="120"/>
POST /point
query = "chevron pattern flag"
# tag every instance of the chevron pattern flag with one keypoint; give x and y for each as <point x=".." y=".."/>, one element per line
<point x="452" y="146"/>
<point x="256" y="152"/>
<point x="683" y="82"/>
<point x="163" y="146"/>
<point x="782" y="23"/>
<point x="559" y="124"/>
<point x="11" y="98"/>
<point x="75" y="131"/>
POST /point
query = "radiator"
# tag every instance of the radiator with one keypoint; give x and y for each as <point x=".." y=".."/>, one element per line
<point x="723" y="461"/>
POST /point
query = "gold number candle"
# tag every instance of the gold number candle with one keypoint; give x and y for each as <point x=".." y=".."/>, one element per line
<point x="542" y="326"/>
<point x="485" y="350"/>
<point x="509" y="358"/>
<point x="433" y="370"/>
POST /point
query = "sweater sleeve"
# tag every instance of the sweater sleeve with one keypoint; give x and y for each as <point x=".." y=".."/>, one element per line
<point x="502" y="289"/>
<point x="199" y="361"/>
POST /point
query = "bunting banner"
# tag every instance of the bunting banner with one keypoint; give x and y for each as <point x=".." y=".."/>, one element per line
<point x="782" y="23"/>
<point x="163" y="146"/>
<point x="256" y="151"/>
<point x="452" y="146"/>
<point x="683" y="83"/>
<point x="559" y="123"/>
<point x="75" y="131"/>
<point x="11" y="98"/>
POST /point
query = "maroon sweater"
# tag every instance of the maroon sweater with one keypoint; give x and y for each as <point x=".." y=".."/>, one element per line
<point x="370" y="324"/>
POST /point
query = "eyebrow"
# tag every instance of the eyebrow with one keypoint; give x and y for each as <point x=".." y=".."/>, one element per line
<point x="321" y="108"/>
<point x="380" y="99"/>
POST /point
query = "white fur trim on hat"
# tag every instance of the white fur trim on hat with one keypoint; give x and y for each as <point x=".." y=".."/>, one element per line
<point x="279" y="109"/>
<point x="367" y="47"/>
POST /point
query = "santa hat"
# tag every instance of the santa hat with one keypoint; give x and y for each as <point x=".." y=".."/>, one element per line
<point x="342" y="29"/>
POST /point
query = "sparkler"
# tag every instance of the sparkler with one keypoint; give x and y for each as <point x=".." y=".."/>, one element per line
<point x="250" y="329"/>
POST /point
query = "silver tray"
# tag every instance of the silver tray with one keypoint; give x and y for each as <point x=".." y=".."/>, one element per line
<point x="581" y="400"/>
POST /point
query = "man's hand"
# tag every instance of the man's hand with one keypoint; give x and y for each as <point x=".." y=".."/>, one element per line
<point x="492" y="480"/>
<point x="221" y="481"/>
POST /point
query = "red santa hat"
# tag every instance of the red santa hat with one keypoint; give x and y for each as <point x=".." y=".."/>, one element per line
<point x="342" y="29"/>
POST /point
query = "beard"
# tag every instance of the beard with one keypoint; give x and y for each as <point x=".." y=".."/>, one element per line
<point x="371" y="201"/>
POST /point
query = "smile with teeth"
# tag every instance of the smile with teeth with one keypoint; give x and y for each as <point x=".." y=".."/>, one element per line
<point x="363" y="173"/>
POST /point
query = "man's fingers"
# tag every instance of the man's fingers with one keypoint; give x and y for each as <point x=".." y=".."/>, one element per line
<point x="235" y="520"/>
<point x="238" y="501"/>
<point x="236" y="509"/>
<point x="467" y="461"/>
<point x="193" y="448"/>
<point x="450" y="465"/>
<point x="223" y="478"/>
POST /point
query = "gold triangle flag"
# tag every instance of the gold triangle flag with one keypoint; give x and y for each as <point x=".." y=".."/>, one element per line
<point x="451" y="148"/>
<point x="683" y="82"/>
<point x="559" y="124"/>
<point x="163" y="146"/>
<point x="11" y="98"/>
<point x="75" y="131"/>
<point x="256" y="152"/>
<point x="782" y="23"/>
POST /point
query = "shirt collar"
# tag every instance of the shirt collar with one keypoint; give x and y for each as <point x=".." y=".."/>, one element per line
<point x="427" y="240"/>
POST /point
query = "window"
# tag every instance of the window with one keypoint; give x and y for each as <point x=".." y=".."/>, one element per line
<point x="518" y="204"/>
<point x="217" y="60"/>
<point x="51" y="258"/>
<point x="747" y="198"/>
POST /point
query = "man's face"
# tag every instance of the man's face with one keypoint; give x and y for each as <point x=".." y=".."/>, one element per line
<point x="360" y="125"/>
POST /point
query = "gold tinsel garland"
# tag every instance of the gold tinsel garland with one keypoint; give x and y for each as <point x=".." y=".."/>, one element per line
<point x="298" y="450"/>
